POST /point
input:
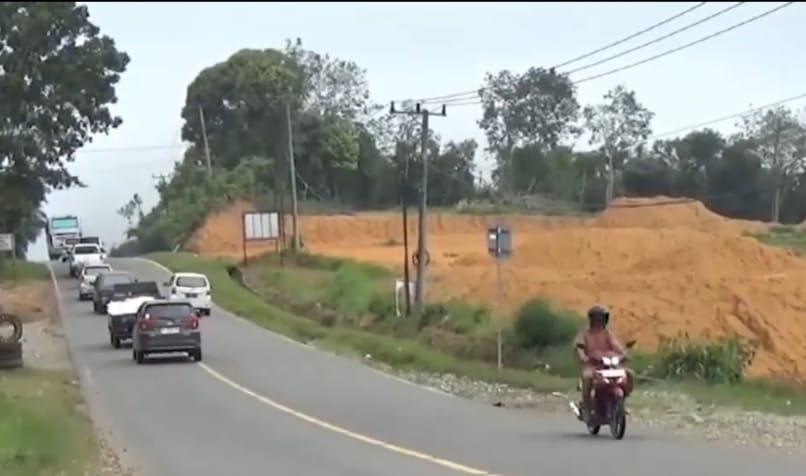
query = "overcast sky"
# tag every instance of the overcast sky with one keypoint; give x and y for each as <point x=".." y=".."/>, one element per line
<point x="422" y="50"/>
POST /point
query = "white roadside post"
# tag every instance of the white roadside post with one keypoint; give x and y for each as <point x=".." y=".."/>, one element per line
<point x="499" y="246"/>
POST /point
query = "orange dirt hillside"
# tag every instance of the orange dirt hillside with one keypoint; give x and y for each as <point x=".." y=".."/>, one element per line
<point x="664" y="266"/>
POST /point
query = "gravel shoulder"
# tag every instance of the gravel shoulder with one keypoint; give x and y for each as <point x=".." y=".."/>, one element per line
<point x="662" y="410"/>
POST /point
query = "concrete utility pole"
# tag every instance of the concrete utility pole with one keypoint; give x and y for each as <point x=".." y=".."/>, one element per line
<point x="206" y="144"/>
<point x="293" y="170"/>
<point x="422" y="256"/>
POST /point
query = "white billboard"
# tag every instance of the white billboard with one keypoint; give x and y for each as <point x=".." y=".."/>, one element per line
<point x="261" y="226"/>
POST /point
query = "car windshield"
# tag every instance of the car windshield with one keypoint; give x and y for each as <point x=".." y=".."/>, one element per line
<point x="86" y="250"/>
<point x="109" y="280"/>
<point x="169" y="311"/>
<point x="95" y="270"/>
<point x="191" y="282"/>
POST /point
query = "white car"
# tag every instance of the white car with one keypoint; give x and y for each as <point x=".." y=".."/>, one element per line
<point x="192" y="287"/>
<point x="89" y="273"/>
<point x="84" y="254"/>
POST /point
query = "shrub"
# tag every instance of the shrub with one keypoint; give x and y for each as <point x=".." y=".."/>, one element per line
<point x="539" y="326"/>
<point x="454" y="316"/>
<point x="463" y="318"/>
<point x="724" y="361"/>
<point x="351" y="291"/>
<point x="382" y="305"/>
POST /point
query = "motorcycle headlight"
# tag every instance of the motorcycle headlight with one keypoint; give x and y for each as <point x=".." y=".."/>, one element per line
<point x="614" y="361"/>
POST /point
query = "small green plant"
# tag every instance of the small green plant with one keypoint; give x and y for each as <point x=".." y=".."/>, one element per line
<point x="463" y="318"/>
<point x="538" y="326"/>
<point x="351" y="291"/>
<point x="724" y="361"/>
<point x="783" y="229"/>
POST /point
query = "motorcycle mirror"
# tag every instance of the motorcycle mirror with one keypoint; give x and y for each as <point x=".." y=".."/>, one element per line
<point x="630" y="344"/>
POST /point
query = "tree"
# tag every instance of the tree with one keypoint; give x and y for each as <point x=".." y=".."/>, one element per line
<point x="133" y="209"/>
<point x="330" y="86"/>
<point x="57" y="76"/>
<point x="243" y="100"/>
<point x="618" y="126"/>
<point x="537" y="107"/>
<point x="779" y="139"/>
<point x="450" y="177"/>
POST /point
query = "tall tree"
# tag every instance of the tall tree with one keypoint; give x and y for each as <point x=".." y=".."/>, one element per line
<point x="57" y="77"/>
<point x="619" y="125"/>
<point x="243" y="101"/>
<point x="537" y="107"/>
<point x="779" y="139"/>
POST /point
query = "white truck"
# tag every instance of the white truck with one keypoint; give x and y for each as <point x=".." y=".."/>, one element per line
<point x="62" y="232"/>
<point x="84" y="254"/>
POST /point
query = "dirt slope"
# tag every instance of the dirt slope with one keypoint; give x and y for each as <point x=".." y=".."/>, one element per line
<point x="663" y="265"/>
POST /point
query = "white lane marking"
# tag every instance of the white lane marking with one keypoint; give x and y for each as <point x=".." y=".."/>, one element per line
<point x="458" y="467"/>
<point x="309" y="347"/>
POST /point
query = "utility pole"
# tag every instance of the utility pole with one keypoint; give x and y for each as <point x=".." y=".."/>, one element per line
<point x="206" y="144"/>
<point x="293" y="170"/>
<point x="422" y="242"/>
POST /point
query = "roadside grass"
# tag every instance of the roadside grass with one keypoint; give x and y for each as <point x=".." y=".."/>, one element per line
<point x="401" y="353"/>
<point x="341" y="305"/>
<point x="21" y="271"/>
<point x="42" y="432"/>
<point x="785" y="236"/>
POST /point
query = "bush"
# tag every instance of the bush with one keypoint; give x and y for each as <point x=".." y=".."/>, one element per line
<point x="539" y="326"/>
<point x="463" y="318"/>
<point x="724" y="361"/>
<point x="351" y="291"/>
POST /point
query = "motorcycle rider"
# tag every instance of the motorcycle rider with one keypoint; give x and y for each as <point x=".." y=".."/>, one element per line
<point x="592" y="341"/>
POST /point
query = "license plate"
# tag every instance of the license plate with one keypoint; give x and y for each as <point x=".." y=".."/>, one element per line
<point x="169" y="330"/>
<point x="191" y="295"/>
<point x="613" y="373"/>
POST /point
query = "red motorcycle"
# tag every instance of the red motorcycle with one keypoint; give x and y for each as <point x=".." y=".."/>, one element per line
<point x="608" y="395"/>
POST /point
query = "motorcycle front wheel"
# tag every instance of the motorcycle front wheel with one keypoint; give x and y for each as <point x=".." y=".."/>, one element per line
<point x="618" y="420"/>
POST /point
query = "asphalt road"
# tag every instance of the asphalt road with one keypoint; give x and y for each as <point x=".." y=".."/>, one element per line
<point x="261" y="404"/>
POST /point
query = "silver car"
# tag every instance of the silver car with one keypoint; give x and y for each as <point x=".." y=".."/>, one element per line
<point x="164" y="326"/>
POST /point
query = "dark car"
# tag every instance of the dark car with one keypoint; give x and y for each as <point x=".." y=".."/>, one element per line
<point x="165" y="326"/>
<point x="123" y="306"/>
<point x="102" y="289"/>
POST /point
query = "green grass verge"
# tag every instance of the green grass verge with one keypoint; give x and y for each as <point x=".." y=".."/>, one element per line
<point x="407" y="353"/>
<point x="401" y="353"/>
<point x="21" y="271"/>
<point x="785" y="236"/>
<point x="41" y="431"/>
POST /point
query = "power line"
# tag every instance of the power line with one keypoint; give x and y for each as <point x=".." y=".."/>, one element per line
<point x="679" y="130"/>
<point x="709" y="122"/>
<point x="658" y="39"/>
<point x="634" y="35"/>
<point x="687" y="45"/>
<point x="730" y="116"/>
<point x="586" y="55"/>
<point x="462" y="100"/>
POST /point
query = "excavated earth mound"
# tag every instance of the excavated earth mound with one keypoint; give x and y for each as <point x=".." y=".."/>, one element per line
<point x="664" y="266"/>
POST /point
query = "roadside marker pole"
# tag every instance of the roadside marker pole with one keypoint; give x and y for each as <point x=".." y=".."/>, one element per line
<point x="499" y="246"/>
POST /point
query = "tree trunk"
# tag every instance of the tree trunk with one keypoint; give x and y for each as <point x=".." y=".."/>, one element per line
<point x="611" y="178"/>
<point x="776" y="205"/>
<point x="582" y="188"/>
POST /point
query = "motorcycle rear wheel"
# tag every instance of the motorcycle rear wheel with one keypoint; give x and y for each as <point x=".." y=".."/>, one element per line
<point x="594" y="429"/>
